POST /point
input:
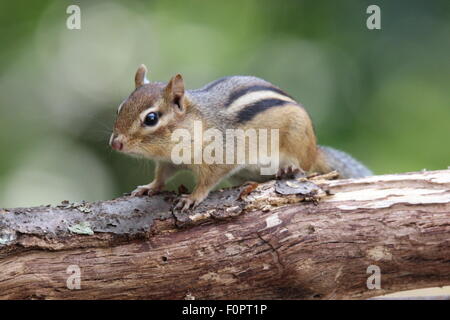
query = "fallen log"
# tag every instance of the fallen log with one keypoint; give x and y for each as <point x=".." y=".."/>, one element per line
<point x="322" y="241"/>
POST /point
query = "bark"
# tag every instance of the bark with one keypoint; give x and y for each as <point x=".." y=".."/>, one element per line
<point x="313" y="240"/>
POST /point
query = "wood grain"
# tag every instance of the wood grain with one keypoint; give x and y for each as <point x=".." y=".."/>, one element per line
<point x="260" y="245"/>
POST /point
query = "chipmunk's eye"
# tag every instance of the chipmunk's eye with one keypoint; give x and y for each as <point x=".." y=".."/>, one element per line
<point x="151" y="119"/>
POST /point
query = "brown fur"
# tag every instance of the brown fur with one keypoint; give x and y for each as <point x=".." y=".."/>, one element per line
<point x="297" y="139"/>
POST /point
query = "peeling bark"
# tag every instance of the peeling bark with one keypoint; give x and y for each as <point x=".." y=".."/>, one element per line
<point x="253" y="243"/>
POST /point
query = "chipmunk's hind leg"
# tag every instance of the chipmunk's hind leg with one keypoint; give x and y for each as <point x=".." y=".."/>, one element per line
<point x="290" y="172"/>
<point x="298" y="148"/>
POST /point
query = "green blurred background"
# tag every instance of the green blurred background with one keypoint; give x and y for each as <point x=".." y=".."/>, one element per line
<point x="381" y="95"/>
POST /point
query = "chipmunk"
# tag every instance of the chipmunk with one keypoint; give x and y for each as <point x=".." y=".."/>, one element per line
<point x="147" y="119"/>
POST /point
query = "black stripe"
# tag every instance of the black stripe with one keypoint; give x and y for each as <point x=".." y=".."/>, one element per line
<point x="239" y="93"/>
<point x="213" y="84"/>
<point x="248" y="112"/>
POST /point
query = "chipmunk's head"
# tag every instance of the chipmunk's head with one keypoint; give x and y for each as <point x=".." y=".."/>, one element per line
<point x="146" y="119"/>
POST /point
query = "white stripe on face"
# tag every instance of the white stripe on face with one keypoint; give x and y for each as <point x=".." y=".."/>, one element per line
<point x="111" y="139"/>
<point x="255" y="96"/>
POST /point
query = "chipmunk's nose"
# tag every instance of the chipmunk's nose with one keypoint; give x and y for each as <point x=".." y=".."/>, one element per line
<point x="115" y="143"/>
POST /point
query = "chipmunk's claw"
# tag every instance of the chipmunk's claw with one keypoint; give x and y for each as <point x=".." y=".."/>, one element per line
<point x="290" y="172"/>
<point x="147" y="189"/>
<point x="185" y="203"/>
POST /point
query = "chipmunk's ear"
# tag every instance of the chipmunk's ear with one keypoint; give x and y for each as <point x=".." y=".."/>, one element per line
<point x="174" y="92"/>
<point x="141" y="76"/>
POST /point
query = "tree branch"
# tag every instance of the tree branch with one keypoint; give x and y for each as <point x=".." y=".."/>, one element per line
<point x="278" y="240"/>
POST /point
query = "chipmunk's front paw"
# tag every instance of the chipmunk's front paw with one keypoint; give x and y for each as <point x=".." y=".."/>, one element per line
<point x="186" y="202"/>
<point x="146" y="189"/>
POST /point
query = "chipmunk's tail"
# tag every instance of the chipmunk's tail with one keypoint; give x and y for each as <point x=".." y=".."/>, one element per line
<point x="330" y="159"/>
